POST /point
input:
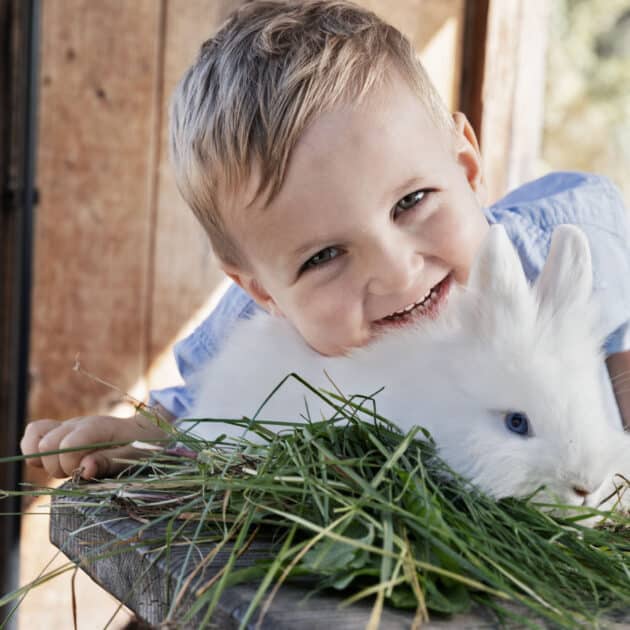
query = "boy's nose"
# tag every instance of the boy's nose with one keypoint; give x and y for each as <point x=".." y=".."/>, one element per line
<point x="394" y="270"/>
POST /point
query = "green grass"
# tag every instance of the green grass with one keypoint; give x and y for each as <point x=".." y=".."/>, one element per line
<point x="373" y="513"/>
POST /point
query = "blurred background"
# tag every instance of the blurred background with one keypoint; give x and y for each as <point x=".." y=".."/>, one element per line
<point x="121" y="270"/>
<point x="587" y="97"/>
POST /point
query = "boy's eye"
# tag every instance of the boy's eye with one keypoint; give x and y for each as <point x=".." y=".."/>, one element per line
<point x="410" y="200"/>
<point x="325" y="255"/>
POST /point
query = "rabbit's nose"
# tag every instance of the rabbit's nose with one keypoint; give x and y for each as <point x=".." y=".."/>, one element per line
<point x="581" y="491"/>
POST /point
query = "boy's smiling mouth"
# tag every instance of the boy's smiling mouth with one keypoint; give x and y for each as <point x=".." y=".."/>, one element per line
<point x="428" y="306"/>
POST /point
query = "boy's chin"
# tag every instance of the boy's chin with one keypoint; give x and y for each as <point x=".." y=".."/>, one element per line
<point x="342" y="349"/>
<point x="332" y="351"/>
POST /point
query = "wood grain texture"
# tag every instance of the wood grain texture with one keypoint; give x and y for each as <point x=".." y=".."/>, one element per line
<point x="473" y="62"/>
<point x="513" y="92"/>
<point x="98" y="76"/>
<point x="184" y="270"/>
<point x="118" y="553"/>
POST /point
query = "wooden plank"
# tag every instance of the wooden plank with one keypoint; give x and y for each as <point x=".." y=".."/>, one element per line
<point x="473" y="61"/>
<point x="121" y="558"/>
<point x="98" y="77"/>
<point x="183" y="270"/>
<point x="513" y="92"/>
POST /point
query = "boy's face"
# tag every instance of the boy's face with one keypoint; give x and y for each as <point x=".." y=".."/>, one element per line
<point x="379" y="207"/>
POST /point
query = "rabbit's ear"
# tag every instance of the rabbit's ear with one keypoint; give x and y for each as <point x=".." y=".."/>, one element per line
<point x="497" y="271"/>
<point x="566" y="281"/>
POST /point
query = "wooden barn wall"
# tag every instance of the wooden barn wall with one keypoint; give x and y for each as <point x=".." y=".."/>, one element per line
<point x="120" y="263"/>
<point x="97" y="122"/>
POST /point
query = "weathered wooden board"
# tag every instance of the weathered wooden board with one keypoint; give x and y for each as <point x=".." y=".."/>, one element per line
<point x="145" y="581"/>
<point x="97" y="118"/>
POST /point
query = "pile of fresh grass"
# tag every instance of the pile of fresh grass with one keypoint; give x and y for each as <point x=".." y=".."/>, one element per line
<point x="365" y="509"/>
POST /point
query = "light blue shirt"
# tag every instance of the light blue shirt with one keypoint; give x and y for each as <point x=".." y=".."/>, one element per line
<point x="529" y="214"/>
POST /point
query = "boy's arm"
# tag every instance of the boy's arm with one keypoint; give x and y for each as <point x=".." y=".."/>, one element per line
<point x="618" y="365"/>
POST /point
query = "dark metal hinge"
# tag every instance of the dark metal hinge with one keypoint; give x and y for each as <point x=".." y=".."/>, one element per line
<point x="12" y="197"/>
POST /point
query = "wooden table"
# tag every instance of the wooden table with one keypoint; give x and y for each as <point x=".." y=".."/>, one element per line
<point x="145" y="581"/>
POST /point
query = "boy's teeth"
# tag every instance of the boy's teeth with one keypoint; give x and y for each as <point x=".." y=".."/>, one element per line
<point x="429" y="296"/>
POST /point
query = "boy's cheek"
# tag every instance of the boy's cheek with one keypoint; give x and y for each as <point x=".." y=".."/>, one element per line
<point x="458" y="235"/>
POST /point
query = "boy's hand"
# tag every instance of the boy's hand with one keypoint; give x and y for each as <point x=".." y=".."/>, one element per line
<point x="51" y="435"/>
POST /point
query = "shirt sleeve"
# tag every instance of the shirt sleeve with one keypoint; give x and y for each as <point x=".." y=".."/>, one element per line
<point x="601" y="213"/>
<point x="610" y="249"/>
<point x="201" y="346"/>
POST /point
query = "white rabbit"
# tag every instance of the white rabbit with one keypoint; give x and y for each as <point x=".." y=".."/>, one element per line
<point x="506" y="379"/>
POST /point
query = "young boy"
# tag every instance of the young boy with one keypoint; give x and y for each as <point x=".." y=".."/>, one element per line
<point x="338" y="192"/>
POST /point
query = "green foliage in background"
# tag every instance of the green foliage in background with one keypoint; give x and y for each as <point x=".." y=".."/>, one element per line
<point x="587" y="101"/>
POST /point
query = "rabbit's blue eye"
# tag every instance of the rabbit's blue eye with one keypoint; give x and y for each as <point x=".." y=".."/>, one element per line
<point x="517" y="422"/>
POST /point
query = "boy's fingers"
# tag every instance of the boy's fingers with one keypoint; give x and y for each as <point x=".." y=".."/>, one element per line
<point x="73" y="433"/>
<point x="102" y="464"/>
<point x="52" y="442"/>
<point x="94" y="465"/>
<point x="98" y="463"/>
<point x="33" y="434"/>
<point x="93" y="430"/>
<point x="52" y="435"/>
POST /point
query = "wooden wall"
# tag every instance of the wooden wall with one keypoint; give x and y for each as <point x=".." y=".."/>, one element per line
<point x="119" y="262"/>
<point x="121" y="266"/>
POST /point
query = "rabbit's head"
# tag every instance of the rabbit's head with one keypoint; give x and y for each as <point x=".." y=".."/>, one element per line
<point x="526" y="364"/>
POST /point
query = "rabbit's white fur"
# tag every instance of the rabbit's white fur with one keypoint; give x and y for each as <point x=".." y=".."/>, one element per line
<point x="499" y="346"/>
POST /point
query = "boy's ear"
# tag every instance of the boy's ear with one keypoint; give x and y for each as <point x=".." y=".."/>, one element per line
<point x="468" y="154"/>
<point x="252" y="287"/>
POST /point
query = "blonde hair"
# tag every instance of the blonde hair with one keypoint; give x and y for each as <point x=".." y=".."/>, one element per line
<point x="270" y="70"/>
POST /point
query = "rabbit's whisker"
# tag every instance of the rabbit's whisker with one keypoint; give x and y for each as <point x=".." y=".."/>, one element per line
<point x="617" y="383"/>
<point x="620" y="375"/>
<point x="620" y="382"/>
